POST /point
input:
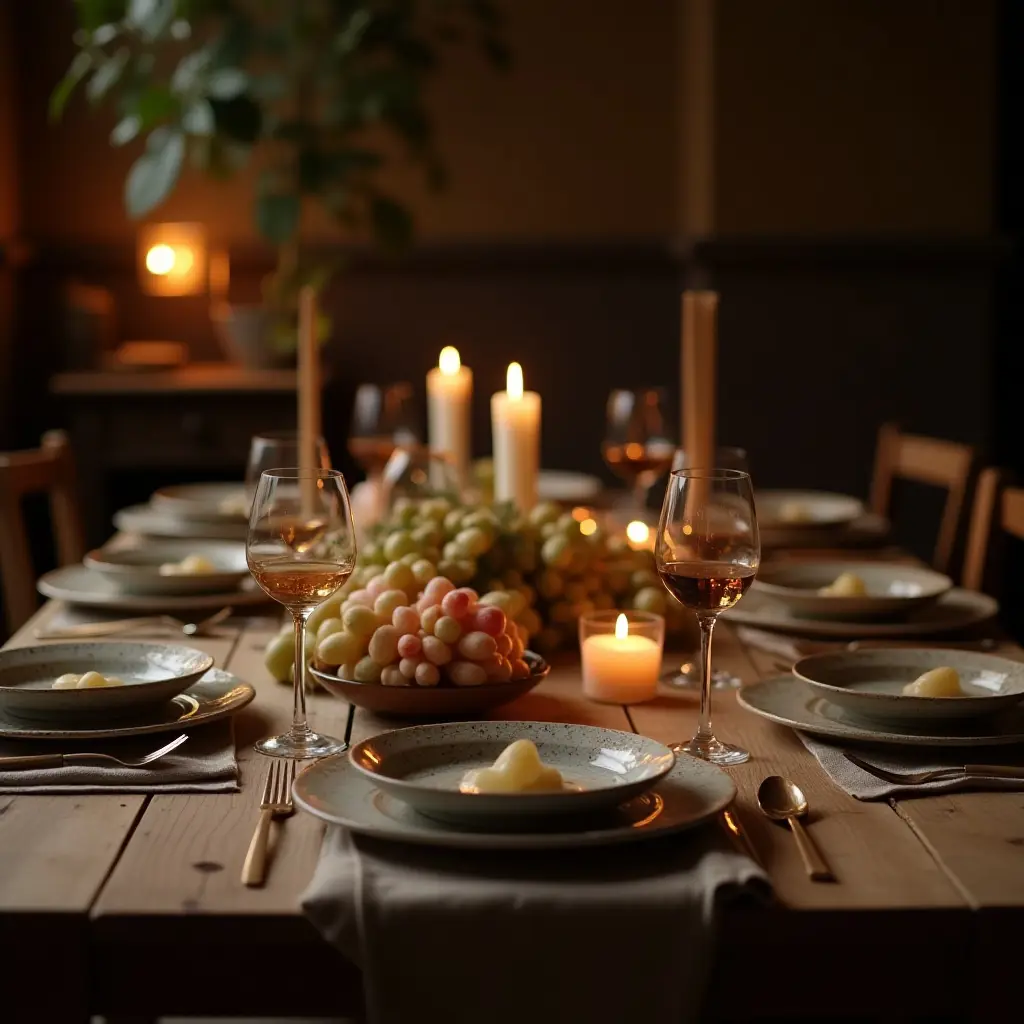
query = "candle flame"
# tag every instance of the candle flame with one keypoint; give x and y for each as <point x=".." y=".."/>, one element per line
<point x="637" y="532"/>
<point x="160" y="260"/>
<point x="621" y="627"/>
<point x="514" y="382"/>
<point x="449" y="362"/>
<point x="588" y="527"/>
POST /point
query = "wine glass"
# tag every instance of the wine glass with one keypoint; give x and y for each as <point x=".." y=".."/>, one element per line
<point x="637" y="444"/>
<point x="687" y="676"/>
<point x="276" y="448"/>
<point x="382" y="419"/>
<point x="707" y="553"/>
<point x="301" y="548"/>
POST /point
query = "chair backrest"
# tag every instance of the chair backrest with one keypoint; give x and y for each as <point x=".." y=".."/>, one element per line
<point x="998" y="510"/>
<point x="49" y="469"/>
<point x="925" y="460"/>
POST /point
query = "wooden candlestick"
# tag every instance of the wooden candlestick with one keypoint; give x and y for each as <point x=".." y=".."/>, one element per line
<point x="309" y="396"/>
<point x="698" y="365"/>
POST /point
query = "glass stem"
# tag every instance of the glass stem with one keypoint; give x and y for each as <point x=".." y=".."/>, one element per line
<point x="707" y="627"/>
<point x="300" y="728"/>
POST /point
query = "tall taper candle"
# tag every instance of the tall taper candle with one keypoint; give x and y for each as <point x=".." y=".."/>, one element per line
<point x="449" y="401"/>
<point x="515" y="437"/>
<point x="699" y="376"/>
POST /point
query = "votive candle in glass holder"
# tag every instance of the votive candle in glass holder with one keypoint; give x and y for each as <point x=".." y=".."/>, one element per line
<point x="621" y="654"/>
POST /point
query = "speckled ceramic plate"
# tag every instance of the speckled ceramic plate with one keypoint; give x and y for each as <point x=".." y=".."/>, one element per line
<point x="152" y="673"/>
<point x="866" y="531"/>
<point x="892" y="590"/>
<point x="215" y="696"/>
<point x="134" y="568"/>
<point x="870" y="683"/>
<point x="956" y="610"/>
<point x="433" y="701"/>
<point x="787" y="700"/>
<point x="78" y="585"/>
<point x="799" y="510"/>
<point x="335" y="791"/>
<point x="215" y="501"/>
<point x="424" y="766"/>
<point x="159" y="522"/>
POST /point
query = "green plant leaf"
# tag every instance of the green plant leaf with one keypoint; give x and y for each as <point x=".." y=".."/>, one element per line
<point x="348" y="39"/>
<point x="277" y="216"/>
<point x="80" y="66"/>
<point x="240" y="118"/>
<point x="392" y="222"/>
<point x="105" y="77"/>
<point x="198" y="119"/>
<point x="187" y="75"/>
<point x="125" y="130"/>
<point x="150" y="17"/>
<point x="105" y="34"/>
<point x="94" y="13"/>
<point x="154" y="174"/>
<point x="234" y="44"/>
<point x="227" y="83"/>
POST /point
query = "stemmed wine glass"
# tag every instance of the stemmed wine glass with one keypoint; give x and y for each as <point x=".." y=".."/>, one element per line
<point x="687" y="676"/>
<point x="637" y="444"/>
<point x="301" y="548"/>
<point x="383" y="418"/>
<point x="276" y="448"/>
<point x="707" y="553"/>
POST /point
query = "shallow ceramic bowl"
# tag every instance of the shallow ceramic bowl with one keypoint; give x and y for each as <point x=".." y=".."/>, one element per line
<point x="893" y="590"/>
<point x="153" y="674"/>
<point x="136" y="570"/>
<point x="423" y="765"/>
<point x="432" y="701"/>
<point x="816" y="509"/>
<point x="203" y="501"/>
<point x="870" y="684"/>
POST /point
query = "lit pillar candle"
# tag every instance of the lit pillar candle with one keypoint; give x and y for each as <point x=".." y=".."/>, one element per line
<point x="449" y="399"/>
<point x="620" y="668"/>
<point x="515" y="435"/>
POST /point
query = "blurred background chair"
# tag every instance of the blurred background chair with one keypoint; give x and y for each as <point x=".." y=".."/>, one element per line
<point x="50" y="470"/>
<point x="998" y="513"/>
<point x="931" y="461"/>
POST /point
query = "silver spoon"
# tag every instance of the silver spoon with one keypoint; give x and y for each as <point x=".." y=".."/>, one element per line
<point x="95" y="629"/>
<point x="782" y="800"/>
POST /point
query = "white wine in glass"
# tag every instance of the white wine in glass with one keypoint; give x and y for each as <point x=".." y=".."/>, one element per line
<point x="300" y="548"/>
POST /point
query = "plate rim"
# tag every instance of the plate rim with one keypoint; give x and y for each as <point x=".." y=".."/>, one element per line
<point x="804" y="493"/>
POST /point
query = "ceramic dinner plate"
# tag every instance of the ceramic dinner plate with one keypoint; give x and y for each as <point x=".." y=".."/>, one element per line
<point x="78" y="585"/>
<point x="785" y="510"/>
<point x="152" y="674"/>
<point x="154" y="521"/>
<point x="424" y="766"/>
<point x="867" y="530"/>
<point x="335" y="791"/>
<point x="956" y="610"/>
<point x="203" y="501"/>
<point x="787" y="700"/>
<point x="135" y="568"/>
<point x="870" y="683"/>
<point x="892" y="590"/>
<point x="571" y="488"/>
<point x="215" y="696"/>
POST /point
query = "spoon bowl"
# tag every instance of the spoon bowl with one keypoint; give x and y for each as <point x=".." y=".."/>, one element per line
<point x="783" y="800"/>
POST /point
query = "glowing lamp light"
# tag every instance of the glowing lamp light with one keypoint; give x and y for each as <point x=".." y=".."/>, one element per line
<point x="621" y="627"/>
<point x="637" y="533"/>
<point x="588" y="526"/>
<point x="172" y="259"/>
<point x="449" y="362"/>
<point x="514" y="382"/>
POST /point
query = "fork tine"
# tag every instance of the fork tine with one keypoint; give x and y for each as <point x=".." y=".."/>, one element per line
<point x="292" y="769"/>
<point x="268" y="786"/>
<point x="166" y="749"/>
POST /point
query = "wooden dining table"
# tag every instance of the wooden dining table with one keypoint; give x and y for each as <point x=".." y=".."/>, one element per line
<point x="131" y="906"/>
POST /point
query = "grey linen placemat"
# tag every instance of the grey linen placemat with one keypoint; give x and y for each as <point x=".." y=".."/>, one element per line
<point x="617" y="933"/>
<point x="204" y="763"/>
<point x="864" y="786"/>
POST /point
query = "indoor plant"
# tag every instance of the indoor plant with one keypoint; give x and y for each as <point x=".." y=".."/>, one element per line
<point x="322" y="90"/>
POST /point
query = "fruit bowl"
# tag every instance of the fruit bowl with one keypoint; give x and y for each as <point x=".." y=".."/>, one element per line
<point x="443" y="701"/>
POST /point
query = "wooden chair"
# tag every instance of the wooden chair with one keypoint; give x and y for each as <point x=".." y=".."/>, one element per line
<point x="925" y="460"/>
<point x="998" y="510"/>
<point x="48" y="469"/>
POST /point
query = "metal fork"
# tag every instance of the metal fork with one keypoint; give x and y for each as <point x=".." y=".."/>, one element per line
<point x="60" y="760"/>
<point x="951" y="774"/>
<point x="118" y="626"/>
<point x="276" y="803"/>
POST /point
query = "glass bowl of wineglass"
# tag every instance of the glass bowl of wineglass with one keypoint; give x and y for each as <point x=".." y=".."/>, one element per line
<point x="707" y="553"/>
<point x="637" y="446"/>
<point x="383" y="418"/>
<point x="275" y="448"/>
<point x="300" y="548"/>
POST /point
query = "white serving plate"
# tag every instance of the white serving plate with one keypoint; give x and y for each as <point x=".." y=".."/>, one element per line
<point x="956" y="610"/>
<point x="870" y="684"/>
<point x="789" y="701"/>
<point x="78" y="585"/>
<point x="155" y="522"/>
<point x="821" y="508"/>
<point x="216" y="501"/>
<point x="693" y="792"/>
<point x="215" y="696"/>
<point x="152" y="673"/>
<point x="424" y="765"/>
<point x="135" y="568"/>
<point x="893" y="590"/>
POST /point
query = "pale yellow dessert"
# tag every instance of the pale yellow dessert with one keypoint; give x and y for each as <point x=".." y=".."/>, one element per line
<point x="518" y="769"/>
<point x="795" y="512"/>
<point x="85" y="681"/>
<point x="937" y="682"/>
<point x="234" y="505"/>
<point x="846" y="584"/>
<point x="190" y="565"/>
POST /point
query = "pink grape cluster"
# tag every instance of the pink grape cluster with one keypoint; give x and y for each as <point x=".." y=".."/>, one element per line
<point x="446" y="634"/>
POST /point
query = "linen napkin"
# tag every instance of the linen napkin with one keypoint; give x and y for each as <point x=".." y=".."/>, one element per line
<point x="864" y="786"/>
<point x="617" y="933"/>
<point x="204" y="763"/>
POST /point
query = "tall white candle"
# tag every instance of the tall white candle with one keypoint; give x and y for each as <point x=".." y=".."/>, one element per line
<point x="449" y="400"/>
<point x="515" y="436"/>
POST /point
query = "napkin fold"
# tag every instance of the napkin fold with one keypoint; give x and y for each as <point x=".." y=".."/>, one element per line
<point x="864" y="786"/>
<point x="616" y="933"/>
<point x="204" y="763"/>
